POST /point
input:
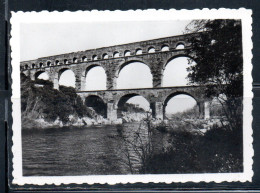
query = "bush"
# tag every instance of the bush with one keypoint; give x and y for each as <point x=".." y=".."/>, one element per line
<point x="219" y="150"/>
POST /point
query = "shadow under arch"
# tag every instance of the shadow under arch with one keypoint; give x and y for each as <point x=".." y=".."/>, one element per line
<point x="96" y="105"/>
<point x="174" y="94"/>
<point x="123" y="99"/>
<point x="38" y="73"/>
<point x="23" y="76"/>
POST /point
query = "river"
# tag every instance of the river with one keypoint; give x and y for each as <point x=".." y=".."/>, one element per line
<point x="95" y="150"/>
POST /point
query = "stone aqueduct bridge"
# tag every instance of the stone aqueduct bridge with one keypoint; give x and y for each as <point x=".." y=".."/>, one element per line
<point x="154" y="53"/>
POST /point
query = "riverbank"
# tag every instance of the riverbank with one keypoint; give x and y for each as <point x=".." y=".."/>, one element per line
<point x="167" y="125"/>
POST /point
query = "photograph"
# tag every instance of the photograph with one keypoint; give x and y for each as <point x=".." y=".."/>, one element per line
<point x="132" y="97"/>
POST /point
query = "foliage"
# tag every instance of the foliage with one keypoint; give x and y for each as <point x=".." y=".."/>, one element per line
<point x="48" y="103"/>
<point x="188" y="113"/>
<point x="129" y="107"/>
<point x="218" y="54"/>
<point x="219" y="150"/>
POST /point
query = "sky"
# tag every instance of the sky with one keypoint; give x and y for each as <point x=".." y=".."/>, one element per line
<point x="46" y="39"/>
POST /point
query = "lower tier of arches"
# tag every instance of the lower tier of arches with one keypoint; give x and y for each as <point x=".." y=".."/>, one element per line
<point x="157" y="99"/>
<point x="157" y="111"/>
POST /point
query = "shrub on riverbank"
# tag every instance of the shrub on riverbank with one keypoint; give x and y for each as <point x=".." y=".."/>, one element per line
<point x="218" y="150"/>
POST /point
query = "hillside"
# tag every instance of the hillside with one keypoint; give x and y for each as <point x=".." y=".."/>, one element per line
<point x="42" y="105"/>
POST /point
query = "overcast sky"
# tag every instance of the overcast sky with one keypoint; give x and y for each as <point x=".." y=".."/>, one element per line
<point x="46" y="39"/>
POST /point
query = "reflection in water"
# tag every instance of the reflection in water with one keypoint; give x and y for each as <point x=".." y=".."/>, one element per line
<point x="79" y="151"/>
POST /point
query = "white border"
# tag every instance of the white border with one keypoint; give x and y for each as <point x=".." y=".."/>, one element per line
<point x="146" y="15"/>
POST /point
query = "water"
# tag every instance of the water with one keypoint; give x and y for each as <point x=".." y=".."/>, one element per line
<point x="78" y="151"/>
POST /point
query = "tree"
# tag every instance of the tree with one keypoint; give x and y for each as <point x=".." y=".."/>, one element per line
<point x="218" y="54"/>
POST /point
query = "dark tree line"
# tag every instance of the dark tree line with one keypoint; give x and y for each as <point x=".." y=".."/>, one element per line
<point x="219" y="62"/>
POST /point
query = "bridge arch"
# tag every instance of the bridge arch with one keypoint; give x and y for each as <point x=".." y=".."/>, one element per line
<point x="124" y="74"/>
<point x="177" y="56"/>
<point x="124" y="64"/>
<point x="178" y="93"/>
<point x="69" y="81"/>
<point x="38" y="73"/>
<point x="138" y="51"/>
<point x="180" y="45"/>
<point x="174" y="70"/>
<point x="96" y="105"/>
<point x="100" y="78"/>
<point x="116" y="54"/>
<point x="94" y="57"/>
<point x="66" y="61"/>
<point x="105" y="56"/>
<point x="165" y="47"/>
<point x="48" y="63"/>
<point x="75" y="60"/>
<point x="26" y="66"/>
<point x="120" y="103"/>
<point x="84" y="59"/>
<point x="127" y="53"/>
<point x="151" y="49"/>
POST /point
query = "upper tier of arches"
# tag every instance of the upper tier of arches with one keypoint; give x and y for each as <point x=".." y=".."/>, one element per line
<point x="103" y="54"/>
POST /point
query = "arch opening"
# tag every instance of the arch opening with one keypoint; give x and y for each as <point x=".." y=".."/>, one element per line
<point x="95" y="78"/>
<point x="175" y="72"/>
<point x="26" y="66"/>
<point x="180" y="106"/>
<point x="41" y="64"/>
<point x="33" y="65"/>
<point x="105" y="56"/>
<point x="132" y="107"/>
<point x="165" y="48"/>
<point x="67" y="78"/>
<point x="97" y="106"/>
<point x="66" y="61"/>
<point x="41" y="75"/>
<point x="75" y="60"/>
<point x="134" y="74"/>
<point x="116" y="55"/>
<point x="94" y="57"/>
<point x="57" y="62"/>
<point x="127" y="53"/>
<point x="151" y="50"/>
<point x="138" y="51"/>
<point x="180" y="46"/>
<point x="84" y="59"/>
<point x="48" y="63"/>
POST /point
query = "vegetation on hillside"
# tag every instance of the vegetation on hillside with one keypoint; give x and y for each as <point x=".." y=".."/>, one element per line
<point x="40" y="100"/>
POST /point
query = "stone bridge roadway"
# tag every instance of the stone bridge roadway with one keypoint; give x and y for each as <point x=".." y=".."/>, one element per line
<point x="157" y="97"/>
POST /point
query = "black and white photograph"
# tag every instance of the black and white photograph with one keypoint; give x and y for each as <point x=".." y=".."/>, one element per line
<point x="133" y="97"/>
